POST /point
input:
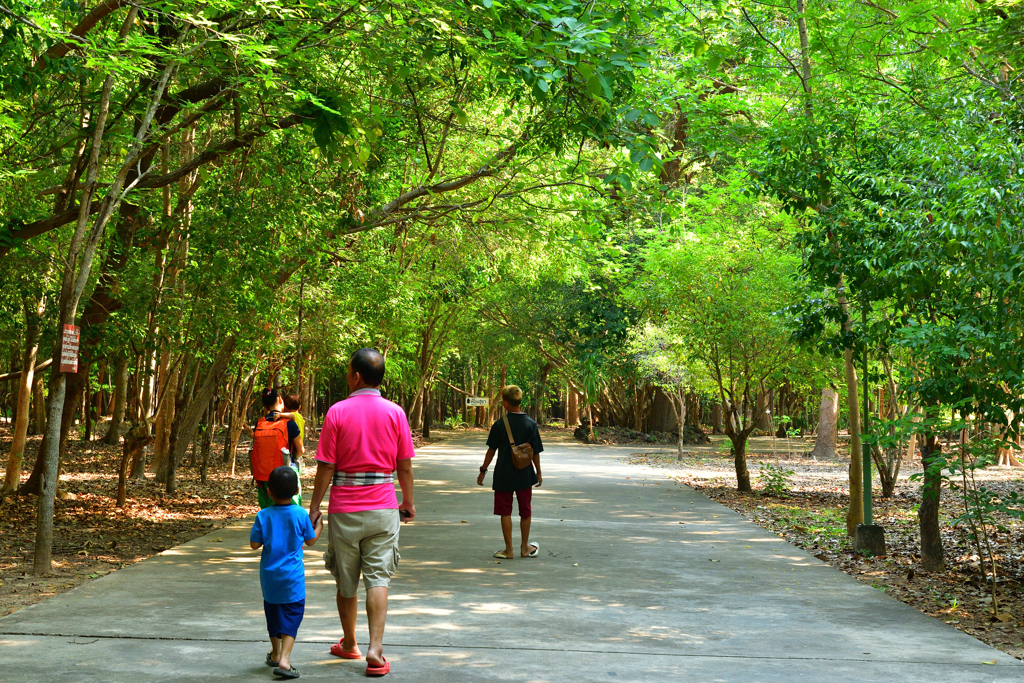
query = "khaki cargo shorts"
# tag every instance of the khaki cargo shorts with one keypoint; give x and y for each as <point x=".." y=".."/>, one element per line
<point x="362" y="542"/>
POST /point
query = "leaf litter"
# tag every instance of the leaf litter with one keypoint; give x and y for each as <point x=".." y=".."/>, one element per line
<point x="93" y="538"/>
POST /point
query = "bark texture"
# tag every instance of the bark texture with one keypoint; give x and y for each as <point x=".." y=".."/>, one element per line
<point x="828" y="416"/>
<point x="12" y="477"/>
<point x="928" y="513"/>
<point x="120" y="401"/>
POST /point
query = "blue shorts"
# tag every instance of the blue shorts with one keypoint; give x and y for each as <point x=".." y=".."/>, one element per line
<point x="284" y="619"/>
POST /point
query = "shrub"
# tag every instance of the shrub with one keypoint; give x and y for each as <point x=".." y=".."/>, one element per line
<point x="774" y="480"/>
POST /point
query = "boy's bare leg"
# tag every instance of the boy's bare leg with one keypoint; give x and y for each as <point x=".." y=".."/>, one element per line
<point x="506" y="531"/>
<point x="285" y="660"/>
<point x="524" y="527"/>
<point x="376" y="614"/>
<point x="348" y="608"/>
<point x="275" y="649"/>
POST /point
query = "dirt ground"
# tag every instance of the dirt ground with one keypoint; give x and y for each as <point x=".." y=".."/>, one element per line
<point x="812" y="515"/>
<point x="91" y="536"/>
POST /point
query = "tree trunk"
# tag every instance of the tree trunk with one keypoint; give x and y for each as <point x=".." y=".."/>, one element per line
<point x="209" y="431"/>
<point x="762" y="418"/>
<point x="542" y="391"/>
<point x="928" y="513"/>
<point x="234" y="436"/>
<point x="828" y="416"/>
<point x="573" y="411"/>
<point x="739" y="456"/>
<point x="416" y="412"/>
<point x="70" y="404"/>
<point x="12" y="477"/>
<point x="237" y="417"/>
<point x="887" y="476"/>
<point x="1007" y="458"/>
<point x="855" y="515"/>
<point x="135" y="442"/>
<point x="229" y="449"/>
<point x="174" y="452"/>
<point x="138" y="470"/>
<point x="693" y="410"/>
<point x="165" y="387"/>
<point x="716" y="418"/>
<point x="428" y="412"/>
<point x="109" y="400"/>
<point x="38" y="405"/>
<point x="638" y="417"/>
<point x="76" y="277"/>
<point x="911" y="448"/>
<point x="120" y="401"/>
<point x="41" y="563"/>
<point x="309" y="400"/>
<point x="565" y="406"/>
<point x="678" y="401"/>
<point x="138" y="456"/>
<point x="149" y="377"/>
<point x="213" y="379"/>
<point x="87" y="408"/>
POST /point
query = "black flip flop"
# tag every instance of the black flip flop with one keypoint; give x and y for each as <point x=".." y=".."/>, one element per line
<point x="271" y="662"/>
<point x="286" y="673"/>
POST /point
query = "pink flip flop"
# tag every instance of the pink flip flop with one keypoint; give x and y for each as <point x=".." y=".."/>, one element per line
<point x="337" y="651"/>
<point x="384" y="670"/>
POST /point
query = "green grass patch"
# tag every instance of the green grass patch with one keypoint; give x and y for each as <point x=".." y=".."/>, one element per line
<point x="825" y="523"/>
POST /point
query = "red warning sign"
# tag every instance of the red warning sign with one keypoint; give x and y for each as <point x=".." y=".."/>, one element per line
<point x="69" y="349"/>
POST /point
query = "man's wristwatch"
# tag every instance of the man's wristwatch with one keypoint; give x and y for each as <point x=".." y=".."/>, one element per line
<point x="483" y="470"/>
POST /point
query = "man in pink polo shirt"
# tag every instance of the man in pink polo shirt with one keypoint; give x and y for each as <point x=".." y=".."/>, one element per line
<point x="365" y="439"/>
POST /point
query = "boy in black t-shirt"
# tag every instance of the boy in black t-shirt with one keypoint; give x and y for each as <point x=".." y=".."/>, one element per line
<point x="509" y="480"/>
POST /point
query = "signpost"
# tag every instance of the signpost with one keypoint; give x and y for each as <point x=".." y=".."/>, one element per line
<point x="477" y="402"/>
<point x="69" y="348"/>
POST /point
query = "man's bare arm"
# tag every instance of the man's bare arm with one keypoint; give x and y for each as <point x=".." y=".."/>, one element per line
<point x="324" y="475"/>
<point x="405" y="482"/>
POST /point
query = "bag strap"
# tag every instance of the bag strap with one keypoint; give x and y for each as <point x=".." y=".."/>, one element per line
<point x="508" y="428"/>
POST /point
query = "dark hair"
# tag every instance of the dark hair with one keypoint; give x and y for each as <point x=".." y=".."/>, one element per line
<point x="269" y="397"/>
<point x="283" y="483"/>
<point x="292" y="402"/>
<point x="370" y="366"/>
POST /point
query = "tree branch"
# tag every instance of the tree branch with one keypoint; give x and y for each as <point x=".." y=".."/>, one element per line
<point x="95" y="16"/>
<point x="29" y="230"/>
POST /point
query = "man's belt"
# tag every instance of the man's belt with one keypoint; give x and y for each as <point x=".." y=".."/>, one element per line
<point x="362" y="478"/>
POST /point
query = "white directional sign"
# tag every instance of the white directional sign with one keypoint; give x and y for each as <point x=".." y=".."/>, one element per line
<point x="476" y="401"/>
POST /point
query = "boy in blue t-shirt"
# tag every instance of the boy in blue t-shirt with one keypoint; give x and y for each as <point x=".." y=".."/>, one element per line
<point x="281" y="530"/>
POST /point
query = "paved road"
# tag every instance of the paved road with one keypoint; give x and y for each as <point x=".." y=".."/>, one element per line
<point x="621" y="592"/>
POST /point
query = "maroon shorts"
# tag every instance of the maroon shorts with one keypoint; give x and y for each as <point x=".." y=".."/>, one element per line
<point x="503" y="502"/>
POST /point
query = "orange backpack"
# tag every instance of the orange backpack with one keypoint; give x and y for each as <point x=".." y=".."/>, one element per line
<point x="267" y="441"/>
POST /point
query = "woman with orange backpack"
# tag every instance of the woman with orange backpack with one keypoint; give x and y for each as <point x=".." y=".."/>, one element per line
<point x="275" y="442"/>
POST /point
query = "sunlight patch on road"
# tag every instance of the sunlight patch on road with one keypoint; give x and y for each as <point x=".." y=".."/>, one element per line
<point x="491" y="607"/>
<point x="430" y="611"/>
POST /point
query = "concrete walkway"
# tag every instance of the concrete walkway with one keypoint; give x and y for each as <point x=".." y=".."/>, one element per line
<point x="622" y="591"/>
